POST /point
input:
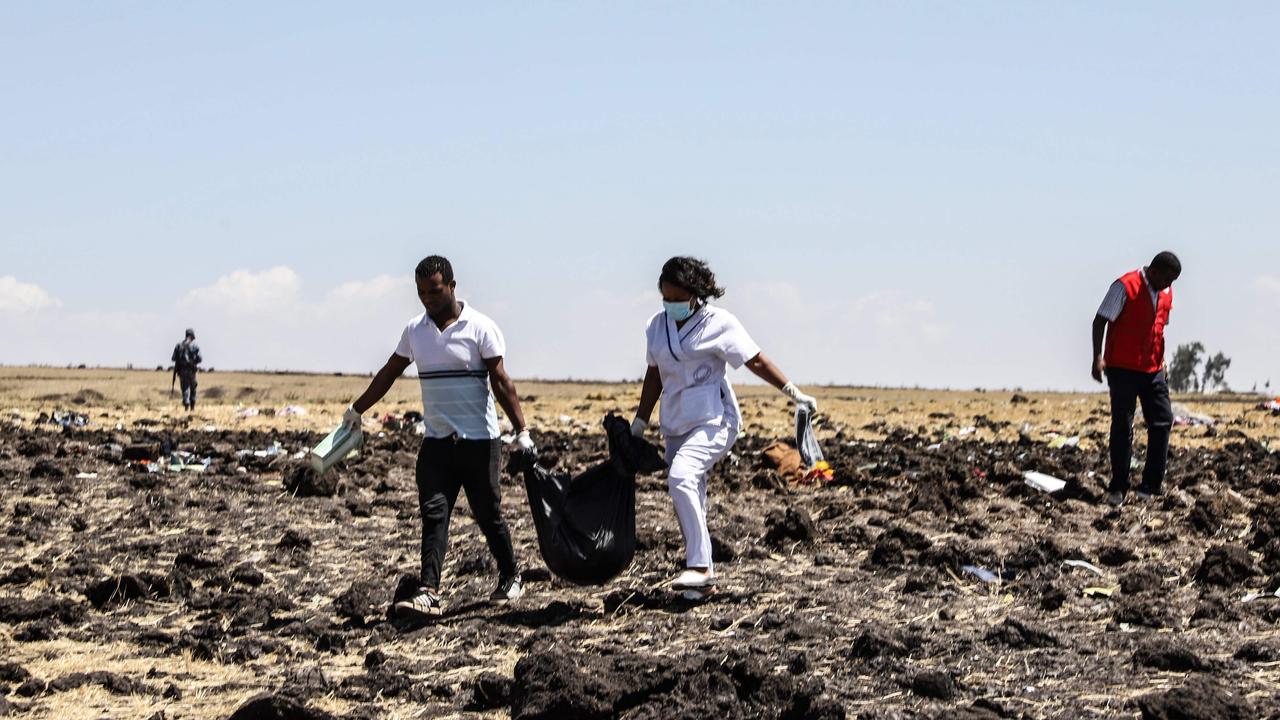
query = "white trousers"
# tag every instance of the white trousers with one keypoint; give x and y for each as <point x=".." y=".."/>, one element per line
<point x="691" y="457"/>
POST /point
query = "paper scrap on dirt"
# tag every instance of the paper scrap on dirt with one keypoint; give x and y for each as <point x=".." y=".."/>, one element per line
<point x="1183" y="415"/>
<point x="1084" y="565"/>
<point x="1044" y="483"/>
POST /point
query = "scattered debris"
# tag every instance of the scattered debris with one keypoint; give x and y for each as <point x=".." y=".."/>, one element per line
<point x="1084" y="566"/>
<point x="786" y="460"/>
<point x="65" y="418"/>
<point x="813" y="463"/>
<point x="275" y="449"/>
<point x="981" y="573"/>
<point x="1044" y="483"/>
<point x="1183" y="415"/>
<point x="139" y="452"/>
<point x="342" y="443"/>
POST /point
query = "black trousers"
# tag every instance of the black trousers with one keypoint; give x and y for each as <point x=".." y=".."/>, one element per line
<point x="446" y="465"/>
<point x="1127" y="388"/>
<point x="188" y="381"/>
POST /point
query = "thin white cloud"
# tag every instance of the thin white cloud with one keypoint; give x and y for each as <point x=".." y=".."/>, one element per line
<point x="19" y="297"/>
<point x="878" y="338"/>
<point x="359" y="297"/>
<point x="251" y="319"/>
<point x="264" y="320"/>
<point x="1267" y="284"/>
<point x="899" y="314"/>
<point x="245" y="292"/>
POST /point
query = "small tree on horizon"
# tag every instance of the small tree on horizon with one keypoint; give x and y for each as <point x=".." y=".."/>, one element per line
<point x="1215" y="372"/>
<point x="1184" y="367"/>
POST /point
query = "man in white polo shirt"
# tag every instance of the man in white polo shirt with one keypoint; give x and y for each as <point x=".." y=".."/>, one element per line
<point x="459" y="353"/>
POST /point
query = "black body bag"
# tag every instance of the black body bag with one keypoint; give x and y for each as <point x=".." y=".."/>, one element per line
<point x="587" y="524"/>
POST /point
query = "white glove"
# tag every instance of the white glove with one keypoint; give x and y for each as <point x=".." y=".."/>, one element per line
<point x="351" y="418"/>
<point x="793" y="392"/>
<point x="525" y="442"/>
<point x="638" y="427"/>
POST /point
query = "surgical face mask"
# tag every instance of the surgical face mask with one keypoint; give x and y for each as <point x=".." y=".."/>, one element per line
<point x="678" y="311"/>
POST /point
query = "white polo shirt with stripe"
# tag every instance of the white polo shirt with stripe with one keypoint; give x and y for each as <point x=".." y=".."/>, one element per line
<point x="456" y="399"/>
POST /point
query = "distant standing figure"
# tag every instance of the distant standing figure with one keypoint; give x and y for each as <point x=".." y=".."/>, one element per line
<point x="186" y="361"/>
<point x="1133" y="317"/>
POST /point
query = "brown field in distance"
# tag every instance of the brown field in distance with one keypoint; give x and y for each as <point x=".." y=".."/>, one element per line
<point x="110" y="396"/>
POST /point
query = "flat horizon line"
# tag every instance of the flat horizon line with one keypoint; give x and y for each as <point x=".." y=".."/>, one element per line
<point x="1230" y="395"/>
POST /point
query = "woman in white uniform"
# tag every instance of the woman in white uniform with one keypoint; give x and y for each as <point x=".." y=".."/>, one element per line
<point x="691" y="345"/>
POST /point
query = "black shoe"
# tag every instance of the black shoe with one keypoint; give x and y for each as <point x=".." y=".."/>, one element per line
<point x="1147" y="493"/>
<point x="509" y="588"/>
<point x="423" y="606"/>
<point x="1115" y="499"/>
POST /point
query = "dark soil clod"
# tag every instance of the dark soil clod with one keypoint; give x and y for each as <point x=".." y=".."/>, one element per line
<point x="1198" y="699"/>
<point x="1017" y="634"/>
<point x="1168" y="654"/>
<point x="790" y="526"/>
<point x="1226" y="566"/>
<point x="304" y="481"/>
<point x="934" y="684"/>
<point x="277" y="707"/>
<point x="124" y="588"/>
<point x="490" y="691"/>
<point x="1256" y="651"/>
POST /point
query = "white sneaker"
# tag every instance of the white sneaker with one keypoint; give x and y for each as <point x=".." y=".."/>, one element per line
<point x="509" y="588"/>
<point x="694" y="580"/>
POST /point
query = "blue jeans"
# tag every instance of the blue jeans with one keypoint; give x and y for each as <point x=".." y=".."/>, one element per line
<point x="1127" y="388"/>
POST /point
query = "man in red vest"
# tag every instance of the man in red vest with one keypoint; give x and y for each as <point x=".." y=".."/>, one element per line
<point x="1133" y="317"/>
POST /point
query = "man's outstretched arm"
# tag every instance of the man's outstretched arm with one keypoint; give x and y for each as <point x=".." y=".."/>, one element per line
<point x="381" y="383"/>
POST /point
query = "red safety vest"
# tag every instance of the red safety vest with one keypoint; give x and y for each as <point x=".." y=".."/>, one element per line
<point x="1135" y="340"/>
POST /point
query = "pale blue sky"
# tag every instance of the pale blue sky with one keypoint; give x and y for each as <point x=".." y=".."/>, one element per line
<point x="894" y="193"/>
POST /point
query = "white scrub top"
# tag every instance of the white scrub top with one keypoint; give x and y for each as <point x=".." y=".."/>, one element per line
<point x="692" y="362"/>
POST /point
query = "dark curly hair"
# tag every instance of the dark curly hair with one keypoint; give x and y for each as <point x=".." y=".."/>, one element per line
<point x="433" y="264"/>
<point x="693" y="275"/>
